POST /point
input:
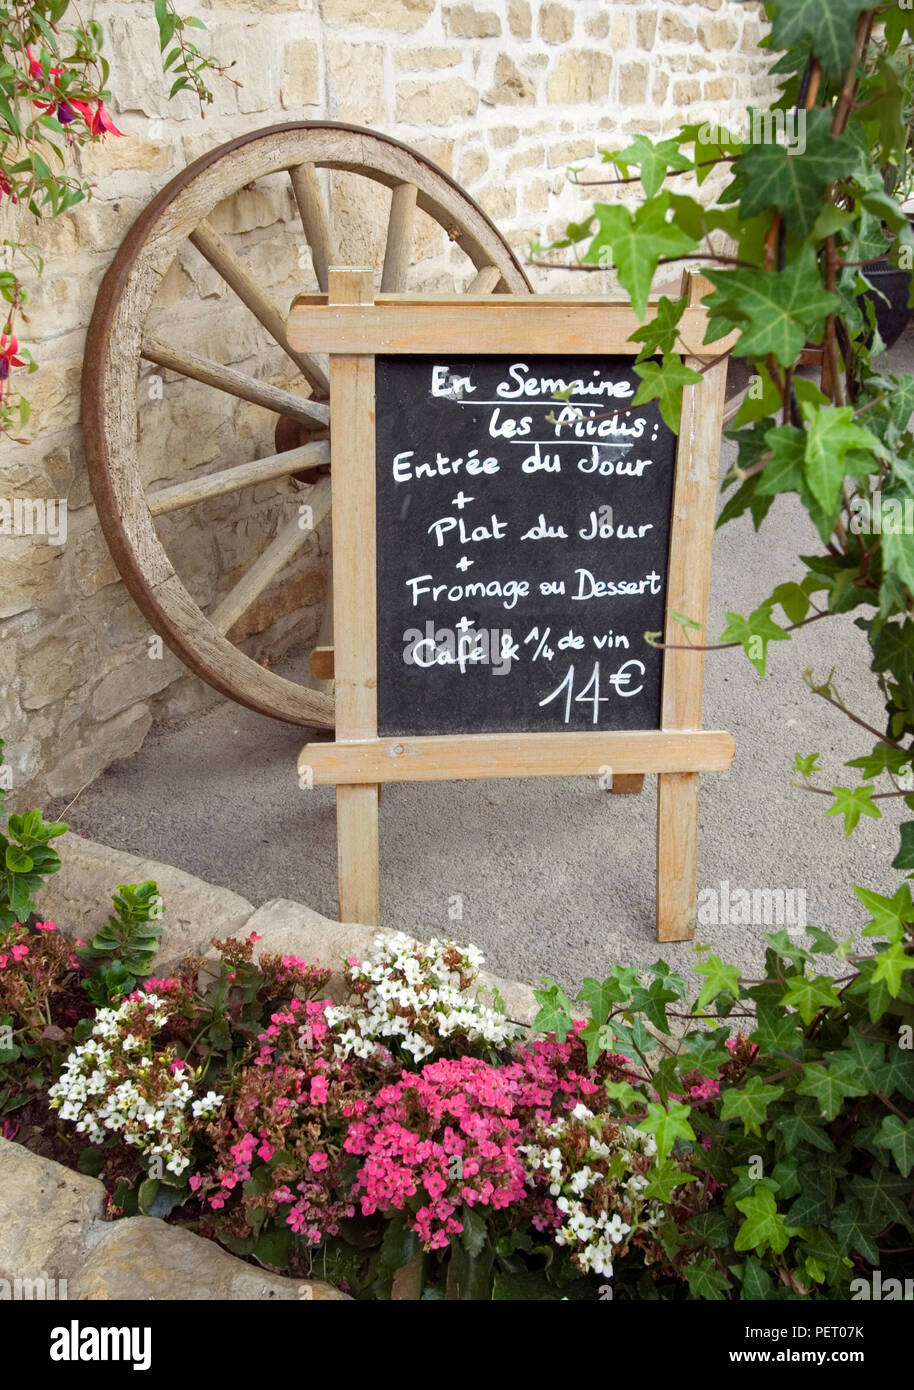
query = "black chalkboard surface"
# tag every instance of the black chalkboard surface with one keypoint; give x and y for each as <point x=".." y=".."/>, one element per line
<point x="523" y="520"/>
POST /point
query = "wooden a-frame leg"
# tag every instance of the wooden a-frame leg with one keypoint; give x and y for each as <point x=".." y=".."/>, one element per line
<point x="357" y="854"/>
<point x="627" y="783"/>
<point x="677" y="855"/>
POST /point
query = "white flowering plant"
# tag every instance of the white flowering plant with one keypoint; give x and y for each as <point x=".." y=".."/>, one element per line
<point x="419" y="999"/>
<point x="604" y="1179"/>
<point x="118" y="1082"/>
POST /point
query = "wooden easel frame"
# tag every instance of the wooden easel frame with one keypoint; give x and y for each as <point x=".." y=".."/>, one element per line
<point x="353" y="325"/>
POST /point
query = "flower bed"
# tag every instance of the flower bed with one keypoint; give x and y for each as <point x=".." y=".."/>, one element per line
<point x="414" y="1142"/>
<point x="411" y="1140"/>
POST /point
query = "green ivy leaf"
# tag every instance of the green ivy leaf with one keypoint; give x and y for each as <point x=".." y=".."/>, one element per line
<point x="809" y="996"/>
<point x="721" y="979"/>
<point x="829" y="30"/>
<point x="804" y="1126"/>
<point x="555" y="1011"/>
<point x="806" y="765"/>
<point x="852" y="805"/>
<point x="793" y="599"/>
<point x="665" y="384"/>
<point x="667" y="1125"/>
<point x="883" y="758"/>
<point x="636" y="244"/>
<point x="757" y="1283"/>
<point x="599" y="996"/>
<point x="664" y="1178"/>
<point x="769" y="175"/>
<point x="778" y="310"/>
<point x="898" y="1136"/>
<point x="889" y="915"/>
<point x="829" y="1086"/>
<point x="816" y="1196"/>
<point x="891" y="966"/>
<point x="854" y="1231"/>
<point x="661" y="333"/>
<point x="653" y="160"/>
<point x="754" y="633"/>
<point x="749" y="1102"/>
<point x="904" y="859"/>
<point x="883" y="1197"/>
<point x="707" y="1281"/>
<point x="830" y="435"/>
<point x="764" y="1225"/>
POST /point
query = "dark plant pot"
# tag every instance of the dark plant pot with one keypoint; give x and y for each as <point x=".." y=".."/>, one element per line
<point x="892" y="285"/>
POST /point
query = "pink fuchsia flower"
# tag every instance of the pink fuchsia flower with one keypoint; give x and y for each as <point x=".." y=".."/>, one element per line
<point x="19" y="951"/>
<point x="318" y="1161"/>
<point x="35" y="68"/>
<point x="318" y="1090"/>
<point x="9" y="347"/>
<point x="80" y="942"/>
<point x="98" y="121"/>
<point x="45" y="926"/>
<point x="3" y="960"/>
<point x="195" y="1181"/>
<point x="255" y="936"/>
<point x="176" y="1066"/>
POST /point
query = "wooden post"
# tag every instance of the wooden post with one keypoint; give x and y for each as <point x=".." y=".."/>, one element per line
<point x="688" y="585"/>
<point x="627" y="783"/>
<point x="352" y="409"/>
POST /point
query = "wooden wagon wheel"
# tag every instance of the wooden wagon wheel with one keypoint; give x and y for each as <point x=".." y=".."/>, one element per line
<point x="117" y="342"/>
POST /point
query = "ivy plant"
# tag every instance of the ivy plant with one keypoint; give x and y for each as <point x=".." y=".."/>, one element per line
<point x="788" y="243"/>
<point x="803" y="1143"/>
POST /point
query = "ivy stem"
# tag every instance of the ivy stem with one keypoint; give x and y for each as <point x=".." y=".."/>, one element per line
<point x="723" y="646"/>
<point x="855" y="718"/>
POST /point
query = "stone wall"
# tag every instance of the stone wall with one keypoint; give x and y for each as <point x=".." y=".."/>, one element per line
<point x="503" y="94"/>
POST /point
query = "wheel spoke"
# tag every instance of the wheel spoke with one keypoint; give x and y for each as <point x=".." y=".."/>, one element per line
<point x="484" y="281"/>
<point x="314" y="220"/>
<point x="223" y="259"/>
<point x="172" y="499"/>
<point x="236" y="383"/>
<point x="399" y="238"/>
<point x="276" y="556"/>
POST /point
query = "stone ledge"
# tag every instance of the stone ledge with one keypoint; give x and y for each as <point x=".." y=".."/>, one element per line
<point x="52" y="1227"/>
<point x="78" y="898"/>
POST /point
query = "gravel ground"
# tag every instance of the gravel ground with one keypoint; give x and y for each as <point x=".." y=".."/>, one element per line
<point x="547" y="876"/>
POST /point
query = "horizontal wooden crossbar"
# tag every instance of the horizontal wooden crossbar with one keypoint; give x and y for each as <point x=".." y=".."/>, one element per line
<point x="460" y="757"/>
<point x="458" y="324"/>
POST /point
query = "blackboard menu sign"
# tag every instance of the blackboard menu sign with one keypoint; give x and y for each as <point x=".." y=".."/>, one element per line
<point x="523" y="522"/>
<point x="507" y="526"/>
